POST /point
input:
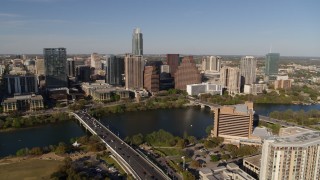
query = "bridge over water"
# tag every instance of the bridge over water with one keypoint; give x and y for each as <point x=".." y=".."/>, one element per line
<point x="138" y="165"/>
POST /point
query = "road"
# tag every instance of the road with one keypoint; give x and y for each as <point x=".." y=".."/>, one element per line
<point x="282" y="123"/>
<point x="139" y="164"/>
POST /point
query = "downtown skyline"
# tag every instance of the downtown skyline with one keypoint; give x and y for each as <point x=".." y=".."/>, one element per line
<point x="225" y="28"/>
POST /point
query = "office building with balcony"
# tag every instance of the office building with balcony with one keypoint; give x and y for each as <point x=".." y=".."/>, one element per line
<point x="230" y="78"/>
<point x="233" y="123"/>
<point x="295" y="155"/>
<point x="134" y="66"/>
<point x="248" y="65"/>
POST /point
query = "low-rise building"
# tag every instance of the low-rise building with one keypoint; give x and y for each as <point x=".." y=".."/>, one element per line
<point x="283" y="84"/>
<point x="254" y="88"/>
<point x="252" y="165"/>
<point x="228" y="172"/>
<point x="196" y="89"/>
<point x="23" y="103"/>
<point x="109" y="94"/>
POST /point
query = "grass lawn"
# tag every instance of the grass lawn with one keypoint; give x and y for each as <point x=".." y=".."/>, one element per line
<point x="29" y="169"/>
<point x="112" y="162"/>
<point x="170" y="151"/>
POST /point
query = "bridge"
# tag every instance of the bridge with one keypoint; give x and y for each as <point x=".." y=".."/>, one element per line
<point x="133" y="163"/>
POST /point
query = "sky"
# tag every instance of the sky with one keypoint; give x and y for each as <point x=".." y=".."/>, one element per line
<point x="212" y="27"/>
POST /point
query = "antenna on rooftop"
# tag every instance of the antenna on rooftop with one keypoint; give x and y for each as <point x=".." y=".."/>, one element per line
<point x="270" y="48"/>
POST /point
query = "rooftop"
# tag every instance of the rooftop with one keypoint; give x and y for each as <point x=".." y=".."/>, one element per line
<point x="255" y="160"/>
<point x="305" y="138"/>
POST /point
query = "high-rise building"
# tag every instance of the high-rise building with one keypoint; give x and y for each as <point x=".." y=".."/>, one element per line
<point x="272" y="64"/>
<point x="40" y="70"/>
<point x="233" y="122"/>
<point x="115" y="70"/>
<point x="248" y="66"/>
<point x="71" y="68"/>
<point x="283" y="84"/>
<point x="134" y="66"/>
<point x="294" y="156"/>
<point x="187" y="73"/>
<point x="173" y="61"/>
<point x="230" y="79"/>
<point x="211" y="63"/>
<point x="83" y="73"/>
<point x="137" y="42"/>
<point x="16" y="84"/>
<point x="151" y="79"/>
<point x="55" y="61"/>
<point x="95" y="61"/>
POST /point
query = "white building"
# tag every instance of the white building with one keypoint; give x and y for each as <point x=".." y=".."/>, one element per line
<point x="295" y="156"/>
<point x="211" y="63"/>
<point x="248" y="65"/>
<point x="254" y="88"/>
<point x="196" y="89"/>
<point x="230" y="78"/>
<point x="165" y="69"/>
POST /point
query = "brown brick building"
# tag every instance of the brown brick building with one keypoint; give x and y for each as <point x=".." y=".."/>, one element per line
<point x="151" y="79"/>
<point x="187" y="73"/>
<point x="173" y="62"/>
<point x="134" y="66"/>
<point x="233" y="122"/>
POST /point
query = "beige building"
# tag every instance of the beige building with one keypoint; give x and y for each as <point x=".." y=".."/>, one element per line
<point x="23" y="103"/>
<point x="211" y="63"/>
<point x="106" y="94"/>
<point x="282" y="84"/>
<point x="294" y="156"/>
<point x="233" y="123"/>
<point x="252" y="165"/>
<point x="230" y="78"/>
<point x="134" y="66"/>
<point x="248" y="65"/>
<point x="39" y="66"/>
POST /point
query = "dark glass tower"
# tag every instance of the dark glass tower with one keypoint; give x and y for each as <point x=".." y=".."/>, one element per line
<point x="55" y="61"/>
<point x="137" y="42"/>
<point x="272" y="63"/>
<point x="115" y="70"/>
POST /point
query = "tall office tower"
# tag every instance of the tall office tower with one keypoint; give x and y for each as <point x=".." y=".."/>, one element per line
<point x="55" y="62"/>
<point x="137" y="42"/>
<point x="211" y="63"/>
<point x="16" y="84"/>
<point x="134" y="66"/>
<point x="233" y="122"/>
<point x="151" y="79"/>
<point x="71" y="68"/>
<point x="230" y="78"/>
<point x="294" y="156"/>
<point x="95" y="61"/>
<point x="272" y="64"/>
<point x="248" y="66"/>
<point x="173" y="61"/>
<point x="187" y="73"/>
<point x="83" y="73"/>
<point x="114" y="70"/>
<point x="40" y="70"/>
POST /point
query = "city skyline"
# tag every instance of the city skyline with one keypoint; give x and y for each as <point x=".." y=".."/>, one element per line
<point x="233" y="28"/>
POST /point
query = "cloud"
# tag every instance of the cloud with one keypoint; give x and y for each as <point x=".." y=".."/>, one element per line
<point x="9" y="15"/>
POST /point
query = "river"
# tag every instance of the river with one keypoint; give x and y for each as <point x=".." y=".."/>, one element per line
<point x="176" y="121"/>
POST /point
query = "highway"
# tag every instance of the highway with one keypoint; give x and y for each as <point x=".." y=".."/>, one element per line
<point x="141" y="166"/>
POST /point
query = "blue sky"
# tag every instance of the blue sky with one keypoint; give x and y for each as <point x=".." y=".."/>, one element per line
<point x="245" y="27"/>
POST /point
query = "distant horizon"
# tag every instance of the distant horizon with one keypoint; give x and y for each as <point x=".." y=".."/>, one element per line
<point x="290" y="27"/>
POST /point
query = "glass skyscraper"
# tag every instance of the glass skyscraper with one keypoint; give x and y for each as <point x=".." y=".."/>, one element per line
<point x="137" y="42"/>
<point x="114" y="70"/>
<point x="55" y="63"/>
<point x="272" y="64"/>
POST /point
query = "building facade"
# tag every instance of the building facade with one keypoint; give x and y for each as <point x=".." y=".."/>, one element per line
<point x="196" y="89"/>
<point x="23" y="103"/>
<point x="40" y="70"/>
<point x="134" y="66"/>
<point x="248" y="65"/>
<point x="16" y="84"/>
<point x="83" y="73"/>
<point x="55" y="61"/>
<point x="211" y="63"/>
<point x="115" y="70"/>
<point x="282" y="84"/>
<point x="165" y="68"/>
<point x="173" y="60"/>
<point x="71" y="68"/>
<point x="272" y="64"/>
<point x="233" y="122"/>
<point x="151" y="79"/>
<point x="187" y="73"/>
<point x="291" y="157"/>
<point x="230" y="78"/>
<point x="137" y="42"/>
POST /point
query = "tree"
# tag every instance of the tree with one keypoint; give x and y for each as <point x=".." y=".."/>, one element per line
<point x="36" y="151"/>
<point x="137" y="139"/>
<point x="208" y="129"/>
<point x="22" y="152"/>
<point x="61" y="148"/>
<point x="214" y="158"/>
<point x="194" y="164"/>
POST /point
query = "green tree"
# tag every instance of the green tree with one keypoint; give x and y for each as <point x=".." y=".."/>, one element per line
<point x="137" y="139"/>
<point x="214" y="158"/>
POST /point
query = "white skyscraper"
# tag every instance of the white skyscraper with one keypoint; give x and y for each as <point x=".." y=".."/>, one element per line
<point x="248" y="66"/>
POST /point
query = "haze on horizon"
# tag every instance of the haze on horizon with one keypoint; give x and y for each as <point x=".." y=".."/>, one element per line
<point x="186" y="27"/>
